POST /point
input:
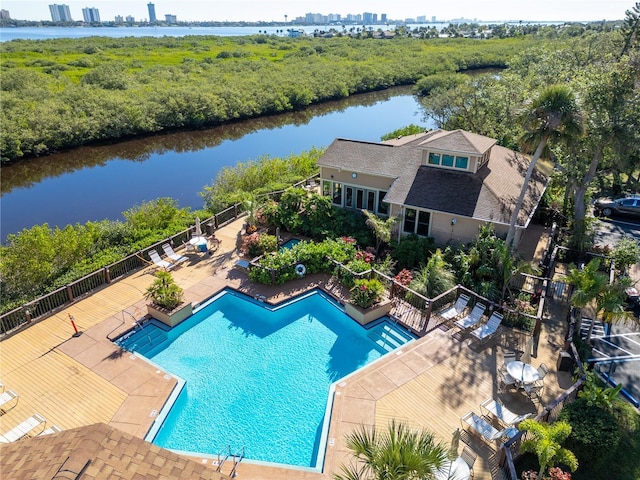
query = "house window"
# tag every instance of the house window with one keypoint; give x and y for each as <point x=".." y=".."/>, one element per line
<point x="326" y="188"/>
<point x="423" y="223"/>
<point x="434" y="159"/>
<point x="409" y="221"/>
<point x="359" y="199"/>
<point x="348" y="199"/>
<point x="371" y="201"/>
<point x="462" y="162"/>
<point x="382" y="207"/>
<point x="337" y="194"/>
<point x="447" y="160"/>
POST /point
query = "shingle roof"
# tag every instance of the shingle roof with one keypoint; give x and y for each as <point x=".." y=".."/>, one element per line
<point x="103" y="452"/>
<point x="488" y="195"/>
<point x="458" y="141"/>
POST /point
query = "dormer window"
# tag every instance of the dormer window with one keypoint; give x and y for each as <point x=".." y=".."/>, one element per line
<point x="449" y="161"/>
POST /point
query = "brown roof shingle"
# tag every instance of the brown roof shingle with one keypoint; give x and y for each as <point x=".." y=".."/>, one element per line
<point x="103" y="452"/>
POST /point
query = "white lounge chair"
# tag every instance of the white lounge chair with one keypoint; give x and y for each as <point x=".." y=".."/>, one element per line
<point x="173" y="255"/>
<point x="23" y="429"/>
<point x="7" y="397"/>
<point x="485" y="331"/>
<point x="50" y="430"/>
<point x="502" y="413"/>
<point x="155" y="258"/>
<point x="485" y="429"/>
<point x="456" y="309"/>
<point x="473" y="318"/>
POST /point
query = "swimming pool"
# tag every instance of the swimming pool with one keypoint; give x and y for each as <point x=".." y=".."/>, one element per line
<point x="257" y="376"/>
<point x="289" y="243"/>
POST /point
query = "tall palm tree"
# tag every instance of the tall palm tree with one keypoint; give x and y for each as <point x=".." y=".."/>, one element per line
<point x="554" y="116"/>
<point x="400" y="453"/>
<point x="546" y="442"/>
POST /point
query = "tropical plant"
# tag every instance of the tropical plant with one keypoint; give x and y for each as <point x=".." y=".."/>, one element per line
<point x="434" y="278"/>
<point x="546" y="443"/>
<point x="595" y="393"/>
<point x="382" y="228"/>
<point x="164" y="291"/>
<point x="400" y="453"/>
<point x="553" y="116"/>
<point x="366" y="292"/>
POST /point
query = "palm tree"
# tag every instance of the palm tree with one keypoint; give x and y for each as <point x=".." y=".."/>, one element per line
<point x="400" y="453"/>
<point x="434" y="278"/>
<point x="554" y="116"/>
<point x="592" y="288"/>
<point x="547" y="444"/>
<point x="381" y="228"/>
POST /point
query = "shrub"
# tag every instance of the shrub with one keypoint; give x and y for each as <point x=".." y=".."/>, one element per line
<point x="366" y="292"/>
<point x="164" y="291"/>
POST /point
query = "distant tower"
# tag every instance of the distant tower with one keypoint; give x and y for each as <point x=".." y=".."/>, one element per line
<point x="152" y="12"/>
<point x="60" y="13"/>
<point x="4" y="15"/>
<point x="91" y="15"/>
<point x="285" y="18"/>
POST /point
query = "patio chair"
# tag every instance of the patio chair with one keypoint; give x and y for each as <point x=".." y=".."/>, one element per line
<point x="469" y="457"/>
<point x="505" y="416"/>
<point x="507" y="357"/>
<point x="542" y="372"/>
<point x="473" y="318"/>
<point x="23" y="430"/>
<point x="7" y="397"/>
<point x="50" y="430"/>
<point x="158" y="262"/>
<point x="173" y="255"/>
<point x="484" y="429"/>
<point x="533" y="391"/>
<point x="505" y="381"/>
<point x="456" y="309"/>
<point x="485" y="331"/>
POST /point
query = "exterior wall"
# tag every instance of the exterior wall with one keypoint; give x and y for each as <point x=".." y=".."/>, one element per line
<point x="362" y="180"/>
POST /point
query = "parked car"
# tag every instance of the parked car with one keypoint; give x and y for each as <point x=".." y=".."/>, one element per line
<point x="629" y="205"/>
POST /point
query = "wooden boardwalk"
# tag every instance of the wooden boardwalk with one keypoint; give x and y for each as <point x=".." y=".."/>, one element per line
<point x="80" y="381"/>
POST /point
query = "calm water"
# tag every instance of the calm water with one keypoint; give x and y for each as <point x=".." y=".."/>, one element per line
<point x="259" y="377"/>
<point x="95" y="183"/>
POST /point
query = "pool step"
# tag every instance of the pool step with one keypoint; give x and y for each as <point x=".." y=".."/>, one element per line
<point x="387" y="337"/>
<point x="145" y="339"/>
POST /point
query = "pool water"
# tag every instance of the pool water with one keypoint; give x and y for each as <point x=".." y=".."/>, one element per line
<point x="258" y="377"/>
<point x="289" y="243"/>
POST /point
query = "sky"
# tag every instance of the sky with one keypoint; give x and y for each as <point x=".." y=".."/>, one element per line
<point x="275" y="10"/>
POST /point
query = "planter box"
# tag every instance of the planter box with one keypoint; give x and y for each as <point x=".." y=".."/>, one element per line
<point x="367" y="315"/>
<point x="173" y="317"/>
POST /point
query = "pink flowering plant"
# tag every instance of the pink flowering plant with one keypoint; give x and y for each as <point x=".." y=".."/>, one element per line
<point x="366" y="292"/>
<point x="367" y="257"/>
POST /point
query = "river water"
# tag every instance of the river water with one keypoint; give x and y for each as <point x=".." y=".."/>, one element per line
<point x="95" y="183"/>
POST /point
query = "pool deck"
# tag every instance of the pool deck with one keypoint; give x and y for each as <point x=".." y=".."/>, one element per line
<point x="432" y="382"/>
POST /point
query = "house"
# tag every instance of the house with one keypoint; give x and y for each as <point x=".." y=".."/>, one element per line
<point x="439" y="183"/>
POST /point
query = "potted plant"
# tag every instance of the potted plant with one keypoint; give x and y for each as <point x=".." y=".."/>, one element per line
<point x="167" y="300"/>
<point x="365" y="304"/>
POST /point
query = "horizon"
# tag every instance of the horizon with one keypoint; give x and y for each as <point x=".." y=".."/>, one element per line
<point x="276" y="10"/>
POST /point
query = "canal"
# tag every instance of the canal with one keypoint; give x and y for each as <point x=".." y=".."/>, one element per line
<point x="96" y="183"/>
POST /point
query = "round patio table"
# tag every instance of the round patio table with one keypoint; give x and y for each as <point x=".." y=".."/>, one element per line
<point x="523" y="372"/>
<point x="454" y="470"/>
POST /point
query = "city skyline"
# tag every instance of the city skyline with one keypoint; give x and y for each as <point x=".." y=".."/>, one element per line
<point x="275" y="10"/>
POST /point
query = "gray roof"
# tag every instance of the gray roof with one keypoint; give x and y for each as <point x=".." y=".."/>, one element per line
<point x="488" y="195"/>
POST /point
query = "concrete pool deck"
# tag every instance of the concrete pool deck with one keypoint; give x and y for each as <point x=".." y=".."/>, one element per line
<point x="76" y="382"/>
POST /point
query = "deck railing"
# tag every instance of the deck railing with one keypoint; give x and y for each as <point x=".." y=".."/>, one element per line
<point x="54" y="301"/>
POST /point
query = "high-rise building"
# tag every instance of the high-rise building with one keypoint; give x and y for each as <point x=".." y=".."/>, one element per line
<point x="4" y="15"/>
<point x="170" y="19"/>
<point x="91" y="15"/>
<point x="118" y="19"/>
<point x="152" y="12"/>
<point x="383" y="18"/>
<point x="130" y="19"/>
<point x="60" y="13"/>
<point x="367" y="17"/>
